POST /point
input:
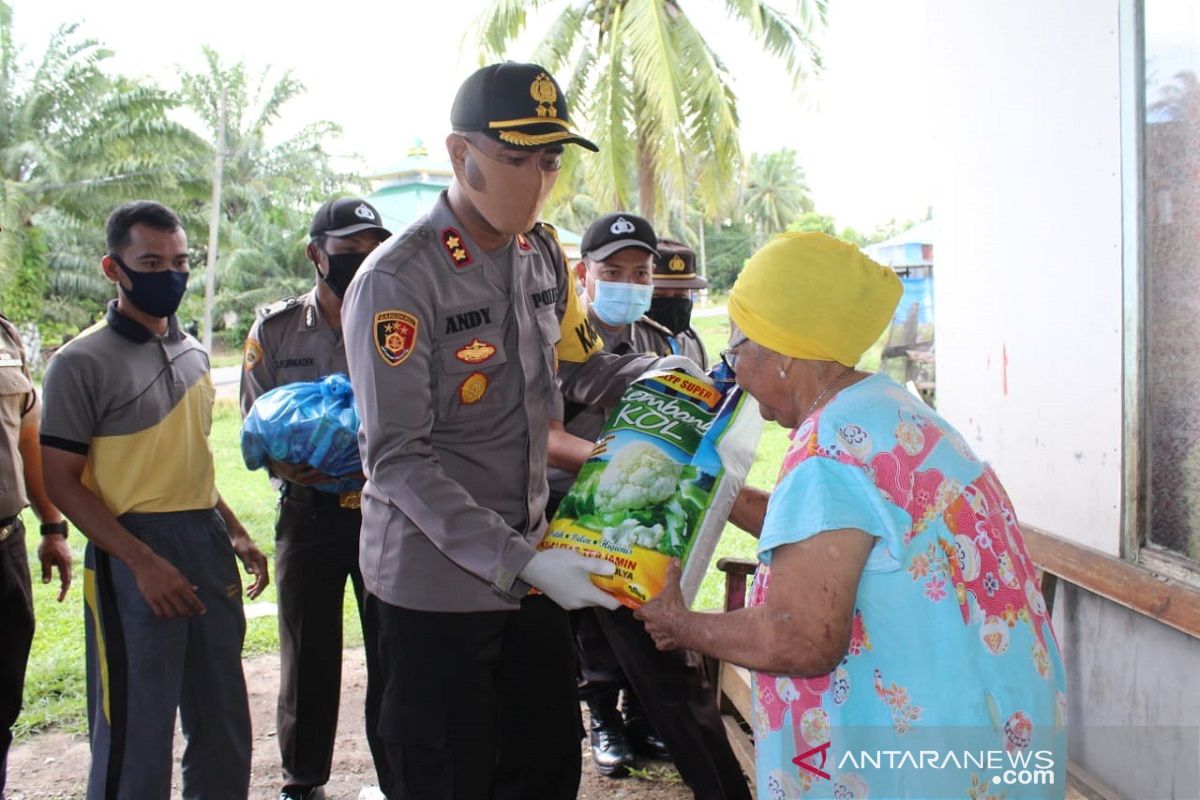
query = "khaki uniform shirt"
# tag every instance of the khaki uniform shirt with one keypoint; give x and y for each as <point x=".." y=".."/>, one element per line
<point x="18" y="407"/>
<point x="453" y="354"/>
<point x="291" y="341"/>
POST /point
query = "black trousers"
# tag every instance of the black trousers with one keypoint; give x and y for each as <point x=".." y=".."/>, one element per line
<point x="316" y="551"/>
<point x="479" y="706"/>
<point x="16" y="636"/>
<point x="677" y="698"/>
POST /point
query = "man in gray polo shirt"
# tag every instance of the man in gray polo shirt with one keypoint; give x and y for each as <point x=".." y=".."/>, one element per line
<point x="127" y="412"/>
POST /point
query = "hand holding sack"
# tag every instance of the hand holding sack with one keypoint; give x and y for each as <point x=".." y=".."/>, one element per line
<point x="311" y="422"/>
<point x="660" y="482"/>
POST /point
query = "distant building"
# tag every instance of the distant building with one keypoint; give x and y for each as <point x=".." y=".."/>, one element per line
<point x="910" y="254"/>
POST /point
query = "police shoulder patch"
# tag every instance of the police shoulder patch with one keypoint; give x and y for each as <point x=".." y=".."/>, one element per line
<point x="456" y="247"/>
<point x="395" y="336"/>
<point x="252" y="354"/>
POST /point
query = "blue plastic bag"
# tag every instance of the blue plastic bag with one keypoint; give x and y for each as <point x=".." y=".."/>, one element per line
<point x="313" y="423"/>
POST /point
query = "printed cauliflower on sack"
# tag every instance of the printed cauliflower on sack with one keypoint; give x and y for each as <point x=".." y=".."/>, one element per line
<point x="640" y="475"/>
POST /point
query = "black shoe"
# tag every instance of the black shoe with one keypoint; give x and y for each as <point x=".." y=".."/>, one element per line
<point x="306" y="793"/>
<point x="644" y="740"/>
<point x="641" y="735"/>
<point x="611" y="752"/>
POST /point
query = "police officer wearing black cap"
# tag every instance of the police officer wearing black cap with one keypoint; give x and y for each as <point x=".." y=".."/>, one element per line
<point x="675" y="287"/>
<point x="458" y="333"/>
<point x="316" y="545"/>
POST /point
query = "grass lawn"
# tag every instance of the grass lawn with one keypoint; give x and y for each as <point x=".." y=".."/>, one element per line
<point x="55" y="694"/>
<point x="54" y="684"/>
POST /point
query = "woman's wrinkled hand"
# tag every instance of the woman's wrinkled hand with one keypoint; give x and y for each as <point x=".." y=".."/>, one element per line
<point x="664" y="616"/>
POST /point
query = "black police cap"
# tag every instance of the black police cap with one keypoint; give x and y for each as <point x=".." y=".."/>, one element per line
<point x="518" y="105"/>
<point x="675" y="267"/>
<point x="346" y="216"/>
<point x="614" y="232"/>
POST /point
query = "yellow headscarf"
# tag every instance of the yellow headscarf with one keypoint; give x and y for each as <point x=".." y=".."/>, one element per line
<point x="809" y="295"/>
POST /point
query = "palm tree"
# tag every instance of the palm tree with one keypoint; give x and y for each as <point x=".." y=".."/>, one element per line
<point x="776" y="192"/>
<point x="269" y="190"/>
<point x="656" y="96"/>
<point x="73" y="144"/>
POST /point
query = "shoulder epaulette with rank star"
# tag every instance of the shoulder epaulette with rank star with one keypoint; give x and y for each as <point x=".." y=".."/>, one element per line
<point x="278" y="308"/>
<point x="656" y="326"/>
<point x="456" y="247"/>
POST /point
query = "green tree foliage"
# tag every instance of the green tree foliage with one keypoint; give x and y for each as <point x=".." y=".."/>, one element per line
<point x="776" y="193"/>
<point x="727" y="247"/>
<point x="655" y="94"/>
<point x="270" y="189"/>
<point x="75" y="142"/>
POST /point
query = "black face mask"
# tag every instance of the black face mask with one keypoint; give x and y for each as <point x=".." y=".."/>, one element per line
<point x="155" y="293"/>
<point x="342" y="267"/>
<point x="673" y="312"/>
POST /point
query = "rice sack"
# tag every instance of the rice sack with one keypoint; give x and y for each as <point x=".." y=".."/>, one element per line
<point x="661" y="481"/>
<point x="308" y="422"/>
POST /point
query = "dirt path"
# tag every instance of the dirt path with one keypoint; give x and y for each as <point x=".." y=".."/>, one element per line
<point x="53" y="766"/>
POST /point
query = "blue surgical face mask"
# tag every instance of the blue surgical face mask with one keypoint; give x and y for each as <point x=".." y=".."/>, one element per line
<point x="621" y="303"/>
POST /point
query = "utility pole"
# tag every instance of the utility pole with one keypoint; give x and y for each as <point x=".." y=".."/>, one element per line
<point x="214" y="223"/>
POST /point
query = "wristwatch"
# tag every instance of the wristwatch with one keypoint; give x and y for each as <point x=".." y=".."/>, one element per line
<point x="49" y="528"/>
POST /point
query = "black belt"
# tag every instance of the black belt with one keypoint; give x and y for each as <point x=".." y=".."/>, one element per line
<point x="306" y="495"/>
<point x="9" y="526"/>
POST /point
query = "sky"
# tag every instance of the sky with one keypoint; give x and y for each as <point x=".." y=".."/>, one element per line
<point x="387" y="72"/>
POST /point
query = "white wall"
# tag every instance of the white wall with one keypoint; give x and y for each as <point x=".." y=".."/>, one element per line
<point x="1028" y="251"/>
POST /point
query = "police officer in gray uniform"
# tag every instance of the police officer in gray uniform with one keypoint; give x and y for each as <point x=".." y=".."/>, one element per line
<point x="316" y="535"/>
<point x="21" y="482"/>
<point x="455" y="330"/>
<point x="675" y="286"/>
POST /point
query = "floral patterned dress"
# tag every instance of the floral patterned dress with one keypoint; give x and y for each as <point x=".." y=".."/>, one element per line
<point x="951" y="654"/>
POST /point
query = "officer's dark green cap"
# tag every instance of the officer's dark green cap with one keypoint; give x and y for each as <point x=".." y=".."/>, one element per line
<point x="518" y="105"/>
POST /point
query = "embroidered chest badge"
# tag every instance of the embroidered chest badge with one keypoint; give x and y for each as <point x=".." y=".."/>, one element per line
<point x="395" y="336"/>
<point x="476" y="352"/>
<point x="473" y="388"/>
<point x="456" y="248"/>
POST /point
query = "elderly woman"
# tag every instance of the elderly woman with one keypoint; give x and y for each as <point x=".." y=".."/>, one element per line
<point x="895" y="609"/>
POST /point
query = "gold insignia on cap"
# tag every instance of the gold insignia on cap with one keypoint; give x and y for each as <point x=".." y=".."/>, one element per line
<point x="473" y="388"/>
<point x="543" y="92"/>
<point x="533" y="140"/>
<point x="676" y="264"/>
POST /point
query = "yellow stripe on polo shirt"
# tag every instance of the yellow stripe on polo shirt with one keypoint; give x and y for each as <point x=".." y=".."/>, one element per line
<point x="166" y="467"/>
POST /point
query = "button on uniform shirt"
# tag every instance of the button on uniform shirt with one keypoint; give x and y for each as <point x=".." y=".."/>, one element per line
<point x="453" y="354"/>
<point x="18" y="401"/>
<point x="139" y="406"/>
<point x="290" y="342"/>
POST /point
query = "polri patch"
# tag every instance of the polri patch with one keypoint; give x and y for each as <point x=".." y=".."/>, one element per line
<point x="456" y="248"/>
<point x="472" y="389"/>
<point x="252" y="354"/>
<point x="395" y="336"/>
<point x="476" y="352"/>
